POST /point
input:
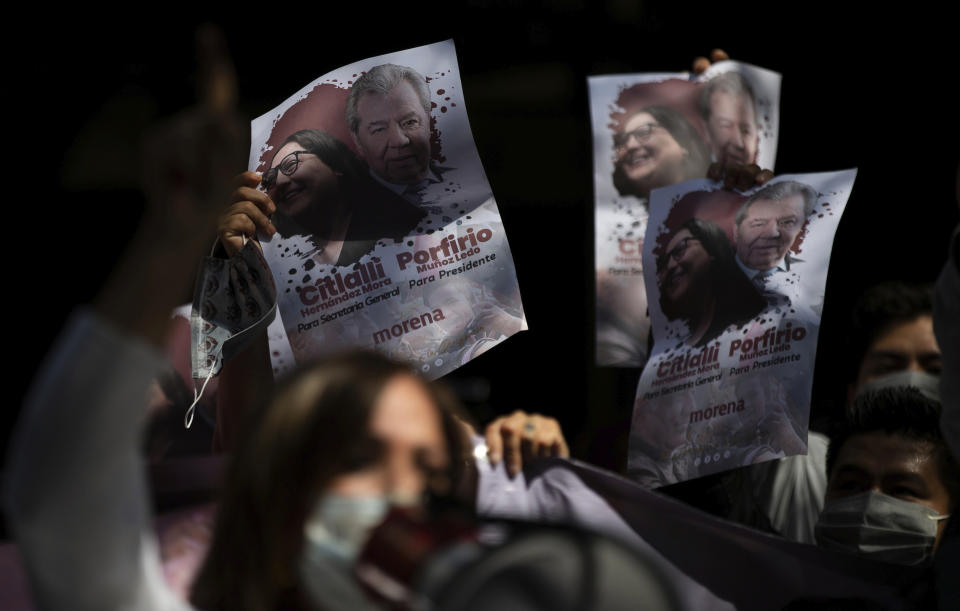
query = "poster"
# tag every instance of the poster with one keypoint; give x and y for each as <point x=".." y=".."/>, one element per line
<point x="388" y="234"/>
<point x="736" y="284"/>
<point x="654" y="130"/>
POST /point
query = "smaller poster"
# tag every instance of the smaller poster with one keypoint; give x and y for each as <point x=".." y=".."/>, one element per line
<point x="736" y="283"/>
<point x="651" y="131"/>
<point x="388" y="234"/>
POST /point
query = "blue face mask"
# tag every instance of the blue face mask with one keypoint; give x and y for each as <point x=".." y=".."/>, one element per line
<point x="878" y="526"/>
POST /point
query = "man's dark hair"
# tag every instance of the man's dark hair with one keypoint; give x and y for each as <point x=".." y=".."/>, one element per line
<point x="903" y="411"/>
<point x="777" y="192"/>
<point x="882" y="307"/>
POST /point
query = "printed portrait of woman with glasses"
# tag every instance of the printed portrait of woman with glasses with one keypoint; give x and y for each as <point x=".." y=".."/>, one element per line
<point x="323" y="192"/>
<point x="700" y="282"/>
<point x="656" y="147"/>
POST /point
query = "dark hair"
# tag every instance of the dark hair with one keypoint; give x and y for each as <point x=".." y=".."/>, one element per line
<point x="777" y="192"/>
<point x="737" y="299"/>
<point x="335" y="155"/>
<point x="685" y="134"/>
<point x="314" y="429"/>
<point x="903" y="411"/>
<point x="880" y="308"/>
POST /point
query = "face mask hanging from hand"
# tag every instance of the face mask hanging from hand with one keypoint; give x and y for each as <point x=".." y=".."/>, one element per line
<point x="233" y="301"/>
<point x="880" y="527"/>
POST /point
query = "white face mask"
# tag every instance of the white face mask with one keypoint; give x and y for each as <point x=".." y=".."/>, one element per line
<point x="340" y="525"/>
<point x="880" y="527"/>
<point x="334" y="537"/>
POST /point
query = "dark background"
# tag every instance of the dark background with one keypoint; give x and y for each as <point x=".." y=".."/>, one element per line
<point x="854" y="95"/>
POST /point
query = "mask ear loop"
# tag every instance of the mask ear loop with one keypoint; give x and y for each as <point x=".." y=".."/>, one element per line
<point x="188" y="417"/>
<point x="191" y="411"/>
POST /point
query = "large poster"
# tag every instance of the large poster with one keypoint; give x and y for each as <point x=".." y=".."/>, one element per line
<point x="654" y="130"/>
<point x="736" y="283"/>
<point x="388" y="235"/>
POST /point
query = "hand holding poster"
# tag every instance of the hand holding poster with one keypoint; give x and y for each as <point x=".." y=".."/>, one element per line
<point x="736" y="285"/>
<point x="388" y="235"/>
<point x="651" y="131"/>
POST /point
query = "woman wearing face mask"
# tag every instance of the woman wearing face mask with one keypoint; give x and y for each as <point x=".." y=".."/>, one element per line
<point x="319" y="467"/>
<point x="892" y="483"/>
<point x="657" y="147"/>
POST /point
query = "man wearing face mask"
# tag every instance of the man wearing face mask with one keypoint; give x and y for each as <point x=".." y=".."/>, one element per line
<point x="890" y="332"/>
<point x="893" y="483"/>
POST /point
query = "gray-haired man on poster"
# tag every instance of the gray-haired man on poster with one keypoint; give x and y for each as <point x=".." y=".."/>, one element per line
<point x="729" y="111"/>
<point x="765" y="228"/>
<point x="388" y="113"/>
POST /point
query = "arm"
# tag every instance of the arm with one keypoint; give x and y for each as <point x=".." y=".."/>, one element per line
<point x="248" y="376"/>
<point x="76" y="497"/>
<point x="244" y="380"/>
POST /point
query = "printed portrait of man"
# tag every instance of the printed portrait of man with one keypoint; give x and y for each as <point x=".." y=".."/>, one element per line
<point x="729" y="111"/>
<point x="765" y="229"/>
<point x="388" y="114"/>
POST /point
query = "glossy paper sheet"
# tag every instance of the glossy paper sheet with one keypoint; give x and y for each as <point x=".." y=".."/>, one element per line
<point x="654" y="130"/>
<point x="736" y="283"/>
<point x="389" y="237"/>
